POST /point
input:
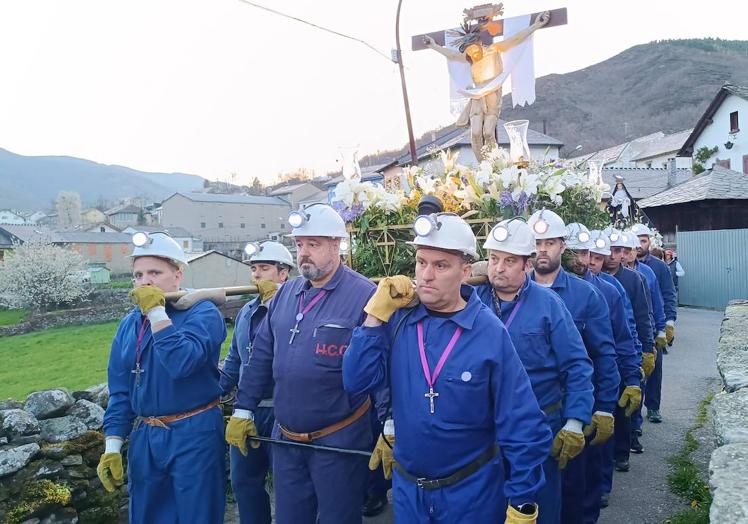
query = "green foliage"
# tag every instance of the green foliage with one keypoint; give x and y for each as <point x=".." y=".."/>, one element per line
<point x="684" y="479"/>
<point x="35" y="496"/>
<point x="700" y="157"/>
<point x="712" y="45"/>
<point x="578" y="206"/>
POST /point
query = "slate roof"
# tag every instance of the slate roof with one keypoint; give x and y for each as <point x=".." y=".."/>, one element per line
<point x="28" y="232"/>
<point x="231" y="199"/>
<point x="173" y="231"/>
<point x="91" y="237"/>
<point x="127" y="208"/>
<point x="643" y="182"/>
<point x="718" y="183"/>
<point x="660" y="146"/>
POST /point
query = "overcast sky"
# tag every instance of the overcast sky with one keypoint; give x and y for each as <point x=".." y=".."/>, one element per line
<point x="214" y="87"/>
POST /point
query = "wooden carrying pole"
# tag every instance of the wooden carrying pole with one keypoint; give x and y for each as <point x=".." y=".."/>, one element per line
<point x="252" y="290"/>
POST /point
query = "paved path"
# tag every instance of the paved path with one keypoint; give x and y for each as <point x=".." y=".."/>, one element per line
<point x="641" y="496"/>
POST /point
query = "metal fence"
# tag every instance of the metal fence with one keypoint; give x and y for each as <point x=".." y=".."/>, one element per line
<point x="716" y="266"/>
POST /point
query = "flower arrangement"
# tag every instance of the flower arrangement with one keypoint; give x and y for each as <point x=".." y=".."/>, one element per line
<point x="495" y="189"/>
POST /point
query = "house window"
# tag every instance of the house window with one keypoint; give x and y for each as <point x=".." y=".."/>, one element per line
<point x="734" y="124"/>
<point x="202" y="225"/>
<point x="724" y="163"/>
<point x="262" y="226"/>
<point x="283" y="225"/>
<point x="185" y="244"/>
<point x="102" y="229"/>
<point x="220" y="225"/>
<point x="241" y="225"/>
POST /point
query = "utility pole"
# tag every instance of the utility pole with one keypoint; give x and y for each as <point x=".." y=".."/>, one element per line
<point x="397" y="57"/>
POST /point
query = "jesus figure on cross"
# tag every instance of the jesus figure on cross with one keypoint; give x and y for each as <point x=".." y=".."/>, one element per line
<point x="482" y="112"/>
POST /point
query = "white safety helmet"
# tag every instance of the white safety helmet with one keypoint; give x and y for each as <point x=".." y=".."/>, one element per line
<point x="631" y="240"/>
<point x="641" y="229"/>
<point x="615" y="236"/>
<point x="547" y="224"/>
<point x="600" y="243"/>
<point x="445" y="231"/>
<point x="317" y="220"/>
<point x="269" y="252"/>
<point x="511" y="236"/>
<point x="578" y="236"/>
<point x="158" y="244"/>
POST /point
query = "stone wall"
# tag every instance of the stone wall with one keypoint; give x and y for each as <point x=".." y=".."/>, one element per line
<point x="728" y="467"/>
<point x="49" y="449"/>
<point x="104" y="305"/>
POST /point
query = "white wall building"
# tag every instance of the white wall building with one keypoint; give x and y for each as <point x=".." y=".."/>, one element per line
<point x="724" y="124"/>
<point x="8" y="216"/>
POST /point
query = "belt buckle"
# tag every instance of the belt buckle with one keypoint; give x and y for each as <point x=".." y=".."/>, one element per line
<point x="420" y="482"/>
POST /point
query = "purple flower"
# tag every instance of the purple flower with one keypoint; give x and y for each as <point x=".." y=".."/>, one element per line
<point x="521" y="203"/>
<point x="506" y="199"/>
<point x="348" y="215"/>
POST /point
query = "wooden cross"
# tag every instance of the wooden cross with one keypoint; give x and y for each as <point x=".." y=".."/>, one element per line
<point x="558" y="17"/>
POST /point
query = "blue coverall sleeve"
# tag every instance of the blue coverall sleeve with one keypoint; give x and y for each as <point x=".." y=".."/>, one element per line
<point x="365" y="360"/>
<point x="195" y="344"/>
<point x="574" y="364"/>
<point x="258" y="377"/>
<point x="231" y="366"/>
<point x="119" y="415"/>
<point x="521" y="431"/>
<point x="598" y="337"/>
<point x="626" y="355"/>
<point x="667" y="287"/>
<point x="631" y="323"/>
<point x="658" y="307"/>
<point x="644" y="327"/>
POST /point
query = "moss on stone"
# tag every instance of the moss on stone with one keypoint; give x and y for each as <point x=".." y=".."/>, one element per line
<point x="35" y="496"/>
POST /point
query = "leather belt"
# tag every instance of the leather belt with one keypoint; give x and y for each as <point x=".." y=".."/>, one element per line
<point x="461" y="474"/>
<point x="314" y="435"/>
<point x="162" y="422"/>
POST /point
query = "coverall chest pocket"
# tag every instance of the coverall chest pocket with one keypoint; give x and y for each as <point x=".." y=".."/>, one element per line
<point x="533" y="350"/>
<point x="463" y="398"/>
<point x="330" y="339"/>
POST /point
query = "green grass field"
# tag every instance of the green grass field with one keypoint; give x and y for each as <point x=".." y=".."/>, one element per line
<point x="9" y="317"/>
<point x="73" y="357"/>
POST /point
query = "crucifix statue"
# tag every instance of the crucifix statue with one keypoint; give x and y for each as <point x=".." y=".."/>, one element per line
<point x="476" y="67"/>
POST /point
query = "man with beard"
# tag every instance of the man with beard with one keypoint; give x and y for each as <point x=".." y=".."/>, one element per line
<point x="549" y="346"/>
<point x="300" y="346"/>
<point x="670" y="307"/>
<point x="653" y="388"/>
<point x="579" y="242"/>
<point x="461" y="400"/>
<point x="636" y="289"/>
<point x="591" y="316"/>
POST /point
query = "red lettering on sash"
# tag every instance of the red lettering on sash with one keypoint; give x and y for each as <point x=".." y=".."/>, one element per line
<point x="331" y="350"/>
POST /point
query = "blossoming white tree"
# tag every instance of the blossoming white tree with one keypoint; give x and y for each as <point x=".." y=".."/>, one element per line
<point x="38" y="275"/>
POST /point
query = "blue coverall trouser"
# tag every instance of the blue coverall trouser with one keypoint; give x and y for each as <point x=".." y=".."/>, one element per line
<point x="653" y="390"/>
<point x="549" y="496"/>
<point x="249" y="474"/>
<point x="177" y="475"/>
<point x="322" y="487"/>
<point x="616" y="448"/>
<point x="577" y="486"/>
<point x="477" y="498"/>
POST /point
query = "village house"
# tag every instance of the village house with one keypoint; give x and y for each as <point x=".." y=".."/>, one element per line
<point x="297" y="193"/>
<point x="651" y="151"/>
<point x="124" y="215"/>
<point x="110" y="249"/>
<point x="8" y="216"/>
<point x="226" y="222"/>
<point x="719" y="127"/>
<point x="214" y="269"/>
<point x="184" y="238"/>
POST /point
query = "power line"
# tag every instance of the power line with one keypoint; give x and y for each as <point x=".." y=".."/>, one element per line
<point x="337" y="33"/>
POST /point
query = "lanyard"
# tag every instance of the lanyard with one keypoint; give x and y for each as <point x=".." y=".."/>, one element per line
<point x="431" y="379"/>
<point x="304" y="310"/>
<point x="515" y="310"/>
<point x="138" y="370"/>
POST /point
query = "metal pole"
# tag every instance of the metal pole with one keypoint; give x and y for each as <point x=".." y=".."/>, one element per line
<point x="399" y="59"/>
<point x="316" y="447"/>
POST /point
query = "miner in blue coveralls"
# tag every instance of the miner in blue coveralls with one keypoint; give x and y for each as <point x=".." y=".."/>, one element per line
<point x="270" y="263"/>
<point x="549" y="346"/>
<point x="163" y="396"/>
<point x="616" y="449"/>
<point x="299" y="347"/>
<point x="636" y="290"/>
<point x="653" y="384"/>
<point x="461" y="400"/>
<point x="591" y="317"/>
<point x="653" y="393"/>
<point x="600" y="462"/>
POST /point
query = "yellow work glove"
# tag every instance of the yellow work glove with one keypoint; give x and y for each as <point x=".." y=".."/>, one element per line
<point x="631" y="397"/>
<point x="392" y="294"/>
<point x="217" y="296"/>
<point x="237" y="432"/>
<point x="267" y="289"/>
<point x="660" y="340"/>
<point x="648" y="362"/>
<point x="602" y="426"/>
<point x="670" y="333"/>
<point x="515" y="517"/>
<point x="382" y="454"/>
<point x="568" y="443"/>
<point x="147" y="297"/>
<point x="110" y="471"/>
